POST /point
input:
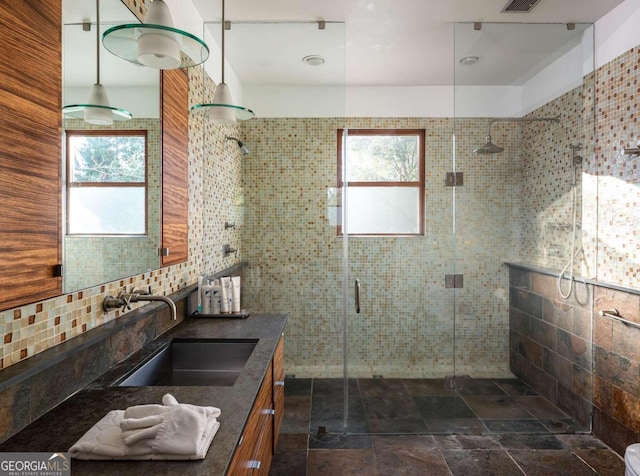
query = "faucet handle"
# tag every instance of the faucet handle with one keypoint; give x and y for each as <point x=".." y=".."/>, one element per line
<point x="141" y="292"/>
<point x="125" y="299"/>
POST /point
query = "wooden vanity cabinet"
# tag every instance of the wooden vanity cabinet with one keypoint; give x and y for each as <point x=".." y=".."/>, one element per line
<point x="278" y="391"/>
<point x="258" y="433"/>
<point x="257" y="444"/>
<point x="30" y="131"/>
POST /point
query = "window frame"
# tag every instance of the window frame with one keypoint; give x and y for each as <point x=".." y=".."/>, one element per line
<point x="71" y="184"/>
<point x="420" y="183"/>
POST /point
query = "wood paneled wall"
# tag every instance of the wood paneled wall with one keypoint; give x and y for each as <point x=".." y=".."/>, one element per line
<point x="30" y="128"/>
<point x="175" y="155"/>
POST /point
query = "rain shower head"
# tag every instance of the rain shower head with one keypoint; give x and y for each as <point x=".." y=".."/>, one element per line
<point x="491" y="148"/>
<point x="243" y="148"/>
<point x="488" y="148"/>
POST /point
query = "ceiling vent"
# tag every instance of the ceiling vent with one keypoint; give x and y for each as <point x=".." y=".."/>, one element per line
<point x="520" y="6"/>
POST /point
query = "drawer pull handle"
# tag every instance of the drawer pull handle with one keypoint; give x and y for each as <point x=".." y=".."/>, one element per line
<point x="279" y="383"/>
<point x="241" y="440"/>
<point x="254" y="464"/>
<point x="269" y="411"/>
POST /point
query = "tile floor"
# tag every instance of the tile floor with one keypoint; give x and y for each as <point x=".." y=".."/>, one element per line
<point x="420" y="427"/>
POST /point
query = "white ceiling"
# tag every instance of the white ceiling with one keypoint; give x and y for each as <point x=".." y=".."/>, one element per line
<point x="390" y="42"/>
<point x="366" y="42"/>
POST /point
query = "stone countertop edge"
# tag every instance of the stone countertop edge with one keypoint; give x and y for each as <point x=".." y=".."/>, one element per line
<point x="60" y="428"/>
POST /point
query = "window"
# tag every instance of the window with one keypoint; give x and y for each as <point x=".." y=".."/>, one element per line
<point x="106" y="182"/>
<point x="384" y="172"/>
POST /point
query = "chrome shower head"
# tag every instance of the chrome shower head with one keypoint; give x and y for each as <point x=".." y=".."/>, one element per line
<point x="489" y="148"/>
<point x="243" y="148"/>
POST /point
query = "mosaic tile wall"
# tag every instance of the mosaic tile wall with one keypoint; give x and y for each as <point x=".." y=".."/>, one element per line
<point x="91" y="260"/>
<point x="608" y="198"/>
<point x="618" y="177"/>
<point x="407" y="324"/>
<point x="548" y="198"/>
<point x="214" y="174"/>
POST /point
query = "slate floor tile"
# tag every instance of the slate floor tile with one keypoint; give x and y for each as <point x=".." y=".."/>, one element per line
<point x="604" y="461"/>
<point x="515" y="426"/>
<point x="443" y="407"/>
<point x="496" y="406"/>
<point x="408" y="455"/>
<point x="289" y="463"/>
<point x="468" y="442"/>
<point x="547" y="462"/>
<point x="481" y="462"/>
<point x="342" y="462"/>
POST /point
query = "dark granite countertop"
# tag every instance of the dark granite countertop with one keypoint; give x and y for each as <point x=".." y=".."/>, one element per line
<point x="60" y="428"/>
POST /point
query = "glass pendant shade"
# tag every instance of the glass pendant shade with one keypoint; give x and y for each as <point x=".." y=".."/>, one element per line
<point x="222" y="110"/>
<point x="159" y="49"/>
<point x="100" y="116"/>
<point x="156" y="43"/>
<point x="222" y="114"/>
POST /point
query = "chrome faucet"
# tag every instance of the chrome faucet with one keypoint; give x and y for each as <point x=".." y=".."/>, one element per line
<point x="125" y="299"/>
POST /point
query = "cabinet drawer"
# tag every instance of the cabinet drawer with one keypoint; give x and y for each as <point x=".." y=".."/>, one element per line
<point x="278" y="391"/>
<point x="257" y="434"/>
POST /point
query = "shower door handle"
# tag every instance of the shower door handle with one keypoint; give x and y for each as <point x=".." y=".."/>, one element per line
<point x="357" y="289"/>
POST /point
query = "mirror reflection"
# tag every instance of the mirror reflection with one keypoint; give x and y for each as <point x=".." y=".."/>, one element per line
<point x="112" y="179"/>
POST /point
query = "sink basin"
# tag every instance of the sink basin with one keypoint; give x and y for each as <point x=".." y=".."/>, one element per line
<point x="193" y="362"/>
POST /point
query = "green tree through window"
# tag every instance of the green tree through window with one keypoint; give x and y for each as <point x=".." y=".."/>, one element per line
<point x="107" y="182"/>
<point x="109" y="159"/>
<point x="384" y="173"/>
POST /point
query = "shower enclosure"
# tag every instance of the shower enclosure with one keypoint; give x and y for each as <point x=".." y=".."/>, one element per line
<point x="384" y="314"/>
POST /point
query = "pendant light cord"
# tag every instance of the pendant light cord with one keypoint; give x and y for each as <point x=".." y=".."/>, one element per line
<point x="223" y="28"/>
<point x="97" y="41"/>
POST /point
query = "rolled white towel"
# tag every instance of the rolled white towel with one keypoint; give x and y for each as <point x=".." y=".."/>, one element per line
<point x="128" y="424"/>
<point x="169" y="400"/>
<point x="181" y="432"/>
<point x="143" y="411"/>
<point x="134" y="436"/>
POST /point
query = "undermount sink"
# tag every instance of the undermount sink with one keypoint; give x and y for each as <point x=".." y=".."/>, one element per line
<point x="193" y="362"/>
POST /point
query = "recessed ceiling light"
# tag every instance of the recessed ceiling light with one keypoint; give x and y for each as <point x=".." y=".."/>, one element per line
<point x="469" y="60"/>
<point x="313" y="60"/>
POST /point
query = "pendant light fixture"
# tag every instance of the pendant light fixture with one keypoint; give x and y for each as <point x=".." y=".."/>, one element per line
<point x="97" y="111"/>
<point x="155" y="42"/>
<point x="222" y="110"/>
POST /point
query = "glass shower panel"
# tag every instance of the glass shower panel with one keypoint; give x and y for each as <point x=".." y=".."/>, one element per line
<point x="399" y="332"/>
<point x="291" y="201"/>
<point x="525" y="88"/>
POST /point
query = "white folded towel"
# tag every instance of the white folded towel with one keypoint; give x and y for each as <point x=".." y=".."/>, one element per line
<point x="181" y="431"/>
<point x="128" y="424"/>
<point x="133" y="436"/>
<point x="144" y="411"/>
<point x="185" y="433"/>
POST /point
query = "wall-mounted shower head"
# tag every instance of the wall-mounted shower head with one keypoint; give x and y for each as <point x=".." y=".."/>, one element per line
<point x="243" y="148"/>
<point x="491" y="148"/>
<point x="488" y="148"/>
